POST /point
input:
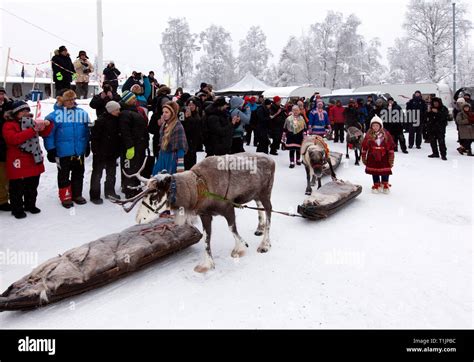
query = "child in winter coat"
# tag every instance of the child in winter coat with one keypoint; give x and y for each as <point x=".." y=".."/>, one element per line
<point x="378" y="155"/>
<point x="465" y="122"/>
<point x="293" y="133"/>
<point x="319" y="121"/>
<point x="24" y="157"/>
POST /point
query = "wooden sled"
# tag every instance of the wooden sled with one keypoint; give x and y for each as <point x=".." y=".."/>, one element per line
<point x="98" y="263"/>
<point x="328" y="199"/>
<point x="336" y="158"/>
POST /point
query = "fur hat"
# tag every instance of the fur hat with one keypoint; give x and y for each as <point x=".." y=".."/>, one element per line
<point x="19" y="106"/>
<point x="68" y="95"/>
<point x="112" y="106"/>
<point x="164" y="90"/>
<point x="83" y="52"/>
<point x="128" y="98"/>
<point x="376" y="119"/>
<point x="173" y="107"/>
<point x="460" y="101"/>
<point x="379" y="102"/>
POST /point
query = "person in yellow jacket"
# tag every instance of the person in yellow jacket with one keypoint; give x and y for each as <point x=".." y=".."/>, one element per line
<point x="83" y="68"/>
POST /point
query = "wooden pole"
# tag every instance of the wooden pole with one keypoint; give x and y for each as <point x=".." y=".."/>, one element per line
<point x="6" y="69"/>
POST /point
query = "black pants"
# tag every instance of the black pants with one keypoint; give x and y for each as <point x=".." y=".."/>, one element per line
<point x="82" y="89"/>
<point x="71" y="173"/>
<point x="338" y="132"/>
<point x="438" y="139"/>
<point x="294" y="150"/>
<point x="237" y="145"/>
<point x="23" y="193"/>
<point x="466" y="144"/>
<point x="276" y="140"/>
<point x="130" y="167"/>
<point x="376" y="178"/>
<point x="190" y="159"/>
<point x="400" y="138"/>
<point x="262" y="143"/>
<point x="248" y="135"/>
<point x="415" y="136"/>
<point x="98" y="166"/>
<point x="60" y="86"/>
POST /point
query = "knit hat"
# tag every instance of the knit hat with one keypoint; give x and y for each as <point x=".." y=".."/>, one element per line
<point x="2" y="90"/>
<point x="19" y="106"/>
<point x="83" y="52"/>
<point x="112" y="106"/>
<point x="164" y="90"/>
<point x="267" y="102"/>
<point x="460" y="101"/>
<point x="276" y="99"/>
<point x="203" y="85"/>
<point x="219" y="102"/>
<point x="236" y="102"/>
<point x="376" y="119"/>
<point x="379" y="102"/>
<point x="136" y="89"/>
<point x="173" y="107"/>
<point x="128" y="98"/>
<point x="252" y="100"/>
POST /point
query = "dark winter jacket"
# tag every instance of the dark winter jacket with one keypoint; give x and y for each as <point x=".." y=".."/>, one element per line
<point x="393" y="119"/>
<point x="436" y="122"/>
<point x="263" y="121"/>
<point x="277" y="123"/>
<point x="98" y="103"/>
<point x="417" y="104"/>
<point x="351" y="117"/>
<point x="111" y="74"/>
<point x="219" y="131"/>
<point x="105" y="137"/>
<point x="64" y="62"/>
<point x="192" y="128"/>
<point x="4" y="107"/>
<point x="133" y="129"/>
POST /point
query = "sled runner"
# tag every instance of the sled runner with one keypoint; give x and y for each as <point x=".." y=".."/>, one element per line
<point x="98" y="263"/>
<point x="328" y="199"/>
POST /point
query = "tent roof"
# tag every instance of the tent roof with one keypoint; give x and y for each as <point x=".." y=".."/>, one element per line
<point x="294" y="91"/>
<point x="247" y="85"/>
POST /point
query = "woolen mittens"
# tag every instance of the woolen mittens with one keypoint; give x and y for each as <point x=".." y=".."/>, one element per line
<point x="130" y="153"/>
<point x="51" y="155"/>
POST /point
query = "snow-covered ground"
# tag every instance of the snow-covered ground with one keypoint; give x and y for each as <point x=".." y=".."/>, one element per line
<point x="402" y="260"/>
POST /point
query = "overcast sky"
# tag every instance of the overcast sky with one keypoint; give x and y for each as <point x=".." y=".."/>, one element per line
<point x="132" y="29"/>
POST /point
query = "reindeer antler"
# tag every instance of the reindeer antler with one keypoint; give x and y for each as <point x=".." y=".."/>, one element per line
<point x="133" y="200"/>
<point x="138" y="174"/>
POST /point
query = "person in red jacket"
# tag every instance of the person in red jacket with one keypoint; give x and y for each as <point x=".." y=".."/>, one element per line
<point x="378" y="155"/>
<point x="336" y="117"/>
<point x="24" y="162"/>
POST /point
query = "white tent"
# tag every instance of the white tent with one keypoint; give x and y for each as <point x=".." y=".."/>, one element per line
<point x="295" y="91"/>
<point x="246" y="86"/>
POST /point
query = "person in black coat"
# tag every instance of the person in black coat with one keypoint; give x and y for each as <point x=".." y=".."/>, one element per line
<point x="99" y="101"/>
<point x="105" y="146"/>
<point x="263" y="126"/>
<point x="111" y="75"/>
<point x="436" y="122"/>
<point x="416" y="111"/>
<point x="192" y="128"/>
<point x="278" y="117"/>
<point x="134" y="139"/>
<point x="218" y="128"/>
<point x="5" y="105"/>
<point x="376" y="111"/>
<point x="351" y="115"/>
<point x="63" y="69"/>
<point x="393" y="121"/>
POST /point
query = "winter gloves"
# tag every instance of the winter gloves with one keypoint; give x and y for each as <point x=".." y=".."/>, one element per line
<point x="130" y="153"/>
<point x="59" y="76"/>
<point x="51" y="155"/>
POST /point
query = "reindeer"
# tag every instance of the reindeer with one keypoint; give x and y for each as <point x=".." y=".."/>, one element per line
<point x="213" y="187"/>
<point x="315" y="156"/>
<point x="354" y="141"/>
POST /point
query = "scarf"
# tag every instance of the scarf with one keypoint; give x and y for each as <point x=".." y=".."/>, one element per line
<point x="32" y="145"/>
<point x="177" y="138"/>
<point x="295" y="125"/>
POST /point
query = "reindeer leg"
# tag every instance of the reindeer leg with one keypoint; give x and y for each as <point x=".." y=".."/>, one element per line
<point x="308" y="183"/>
<point x="347" y="149"/>
<point x="319" y="183"/>
<point x="265" y="245"/>
<point x="333" y="175"/>
<point x="208" y="262"/>
<point x="357" y="156"/>
<point x="240" y="244"/>
<point x="261" y="219"/>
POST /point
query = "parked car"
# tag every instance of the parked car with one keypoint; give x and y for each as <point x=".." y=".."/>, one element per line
<point x="345" y="97"/>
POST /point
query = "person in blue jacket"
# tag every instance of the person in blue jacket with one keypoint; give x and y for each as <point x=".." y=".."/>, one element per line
<point x="319" y="120"/>
<point x="237" y="109"/>
<point x="67" y="145"/>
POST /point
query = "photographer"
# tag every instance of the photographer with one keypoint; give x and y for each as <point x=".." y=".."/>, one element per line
<point x="99" y="101"/>
<point x="110" y="75"/>
<point x="83" y="68"/>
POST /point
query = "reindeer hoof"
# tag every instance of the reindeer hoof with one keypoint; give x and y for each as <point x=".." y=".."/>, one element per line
<point x="237" y="253"/>
<point x="258" y="233"/>
<point x="263" y="249"/>
<point x="307" y="192"/>
<point x="203" y="268"/>
<point x="347" y="156"/>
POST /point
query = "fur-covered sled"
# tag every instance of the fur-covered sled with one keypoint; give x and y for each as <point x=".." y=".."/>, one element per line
<point x="97" y="263"/>
<point x="328" y="199"/>
<point x="336" y="158"/>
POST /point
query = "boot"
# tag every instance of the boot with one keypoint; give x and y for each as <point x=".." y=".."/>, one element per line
<point x="79" y="200"/>
<point x="298" y="162"/>
<point x="65" y="195"/>
<point x="444" y="158"/>
<point x="376" y="188"/>
<point x="292" y="165"/>
<point x="112" y="195"/>
<point x="433" y="156"/>
<point x="386" y="187"/>
<point x="469" y="153"/>
<point x="461" y="150"/>
<point x="19" y="214"/>
<point x="33" y="209"/>
<point x="97" y="201"/>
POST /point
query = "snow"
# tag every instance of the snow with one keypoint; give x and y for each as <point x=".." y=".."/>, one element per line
<point x="402" y="260"/>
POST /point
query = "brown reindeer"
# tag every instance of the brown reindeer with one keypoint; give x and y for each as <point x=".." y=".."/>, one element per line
<point x="315" y="156"/>
<point x="211" y="188"/>
<point x="354" y="141"/>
